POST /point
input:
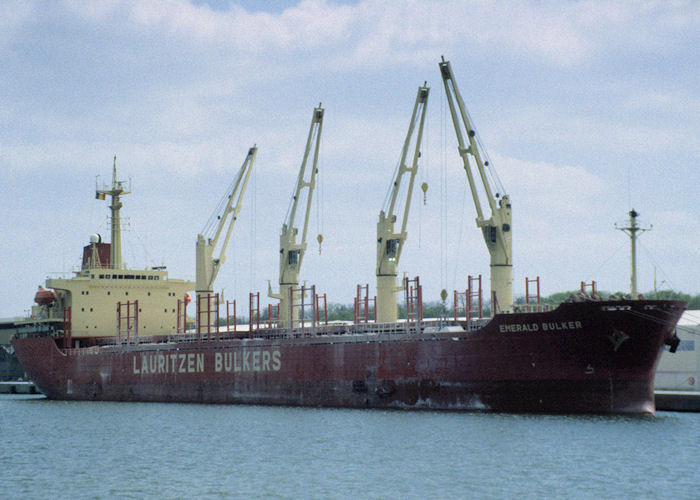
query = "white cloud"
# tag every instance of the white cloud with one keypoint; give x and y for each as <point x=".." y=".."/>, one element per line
<point x="307" y="25"/>
<point x="567" y="127"/>
<point x="550" y="190"/>
<point x="13" y="15"/>
<point x="572" y="97"/>
<point x="666" y="102"/>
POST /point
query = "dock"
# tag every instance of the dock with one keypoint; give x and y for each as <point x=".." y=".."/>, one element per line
<point x="18" y="387"/>
<point x="677" y="400"/>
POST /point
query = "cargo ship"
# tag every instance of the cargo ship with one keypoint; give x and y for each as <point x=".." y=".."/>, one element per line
<point x="116" y="334"/>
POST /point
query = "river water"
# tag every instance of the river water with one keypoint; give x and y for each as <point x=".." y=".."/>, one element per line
<point x="56" y="449"/>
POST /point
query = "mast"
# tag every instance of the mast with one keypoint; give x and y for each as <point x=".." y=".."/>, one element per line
<point x="117" y="190"/>
<point x="207" y="265"/>
<point x="497" y="228"/>
<point x="390" y="243"/>
<point x="291" y="251"/>
<point x="632" y="229"/>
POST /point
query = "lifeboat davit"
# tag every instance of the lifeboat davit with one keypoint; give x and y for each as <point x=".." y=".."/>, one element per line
<point x="44" y="297"/>
<point x="188" y="298"/>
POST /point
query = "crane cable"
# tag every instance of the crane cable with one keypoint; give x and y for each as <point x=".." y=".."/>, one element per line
<point x="319" y="198"/>
<point x="424" y="176"/>
<point x="253" y="230"/>
<point x="443" y="161"/>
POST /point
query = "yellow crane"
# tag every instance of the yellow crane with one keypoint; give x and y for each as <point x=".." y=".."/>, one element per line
<point x="230" y="205"/>
<point x="497" y="228"/>
<point x="291" y="251"/>
<point x="389" y="242"/>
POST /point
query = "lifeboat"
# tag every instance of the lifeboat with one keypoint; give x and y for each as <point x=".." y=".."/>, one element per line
<point x="44" y="297"/>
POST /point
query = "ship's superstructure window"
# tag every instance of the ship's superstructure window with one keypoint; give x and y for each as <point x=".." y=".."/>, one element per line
<point x="127" y="277"/>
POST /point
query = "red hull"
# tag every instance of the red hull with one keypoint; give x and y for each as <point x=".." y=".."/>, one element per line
<point x="591" y="357"/>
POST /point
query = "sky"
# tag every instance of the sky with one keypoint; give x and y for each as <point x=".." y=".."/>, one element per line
<point x="587" y="109"/>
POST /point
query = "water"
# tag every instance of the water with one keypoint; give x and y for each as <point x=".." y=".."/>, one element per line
<point x="147" y="450"/>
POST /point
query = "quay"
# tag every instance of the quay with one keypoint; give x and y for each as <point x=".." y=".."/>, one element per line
<point x="18" y="387"/>
<point x="677" y="400"/>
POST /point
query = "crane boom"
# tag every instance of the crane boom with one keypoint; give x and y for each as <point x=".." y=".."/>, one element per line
<point x="207" y="265"/>
<point x="389" y="242"/>
<point x="291" y="251"/>
<point x="497" y="228"/>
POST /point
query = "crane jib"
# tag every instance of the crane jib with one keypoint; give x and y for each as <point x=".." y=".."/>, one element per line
<point x="494" y="229"/>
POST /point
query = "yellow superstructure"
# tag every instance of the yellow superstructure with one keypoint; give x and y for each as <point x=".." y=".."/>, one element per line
<point x="93" y="296"/>
<point x="87" y="304"/>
